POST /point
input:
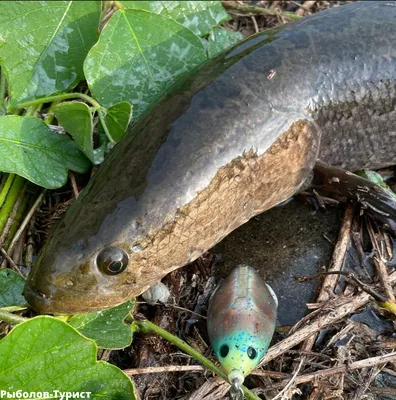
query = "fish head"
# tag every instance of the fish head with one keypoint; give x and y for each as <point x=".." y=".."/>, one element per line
<point x="74" y="281"/>
<point x="90" y="261"/>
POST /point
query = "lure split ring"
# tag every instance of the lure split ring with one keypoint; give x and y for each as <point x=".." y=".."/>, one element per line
<point x="236" y="392"/>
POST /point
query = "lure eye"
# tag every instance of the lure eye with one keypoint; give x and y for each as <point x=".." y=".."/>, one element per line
<point x="224" y="350"/>
<point x="252" y="353"/>
<point x="112" y="260"/>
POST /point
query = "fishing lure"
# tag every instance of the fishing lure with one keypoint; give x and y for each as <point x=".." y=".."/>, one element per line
<point x="241" y="322"/>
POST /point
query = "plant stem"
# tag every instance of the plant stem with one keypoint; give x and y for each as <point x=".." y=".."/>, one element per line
<point x="66" y="96"/>
<point x="10" y="200"/>
<point x="3" y="89"/>
<point x="105" y="8"/>
<point x="50" y="113"/>
<point x="4" y="191"/>
<point x="118" y="5"/>
<point x="23" y="200"/>
<point x="10" y="318"/>
<point x="14" y="204"/>
<point x="33" y="110"/>
<point x="59" y="97"/>
<point x="388" y="305"/>
<point x="147" y="327"/>
<point x="105" y="128"/>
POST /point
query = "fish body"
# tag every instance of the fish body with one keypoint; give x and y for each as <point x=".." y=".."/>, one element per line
<point x="241" y="321"/>
<point x="230" y="140"/>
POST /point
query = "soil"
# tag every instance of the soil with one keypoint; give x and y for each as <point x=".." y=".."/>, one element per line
<point x="284" y="243"/>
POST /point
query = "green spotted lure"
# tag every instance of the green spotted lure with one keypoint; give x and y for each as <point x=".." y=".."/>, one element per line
<point x="241" y="322"/>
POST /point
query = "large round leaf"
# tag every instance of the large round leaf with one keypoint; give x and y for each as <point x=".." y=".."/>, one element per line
<point x="43" y="44"/>
<point x="45" y="354"/>
<point x="139" y="54"/>
<point x="199" y="16"/>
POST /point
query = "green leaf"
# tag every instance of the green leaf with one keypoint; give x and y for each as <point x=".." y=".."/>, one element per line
<point x="221" y="39"/>
<point x="106" y="327"/>
<point x="117" y="119"/>
<point x="30" y="149"/>
<point x="104" y="146"/>
<point x="376" y="178"/>
<point x="138" y="56"/>
<point x="11" y="289"/>
<point x="76" y="118"/>
<point x="199" y="16"/>
<point x="44" y="44"/>
<point x="45" y="354"/>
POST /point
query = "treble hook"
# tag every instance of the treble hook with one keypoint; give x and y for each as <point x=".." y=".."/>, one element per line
<point x="236" y="392"/>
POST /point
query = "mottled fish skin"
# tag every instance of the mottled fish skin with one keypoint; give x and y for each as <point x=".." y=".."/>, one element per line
<point x="234" y="138"/>
<point x="241" y="318"/>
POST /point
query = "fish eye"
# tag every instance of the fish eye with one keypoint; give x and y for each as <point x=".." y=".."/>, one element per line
<point x="252" y="353"/>
<point x="112" y="260"/>
<point x="224" y="350"/>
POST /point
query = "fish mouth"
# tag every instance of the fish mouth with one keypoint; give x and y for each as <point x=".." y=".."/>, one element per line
<point x="39" y="301"/>
<point x="47" y="304"/>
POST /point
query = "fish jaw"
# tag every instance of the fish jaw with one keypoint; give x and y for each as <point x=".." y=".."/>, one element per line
<point x="47" y="304"/>
<point x="60" y="285"/>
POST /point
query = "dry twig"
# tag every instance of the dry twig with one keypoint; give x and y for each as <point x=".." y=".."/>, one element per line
<point x="379" y="263"/>
<point x="330" y="281"/>
<point x="305" y="7"/>
<point x="247" y="9"/>
<point x="74" y="185"/>
<point x="342" y="369"/>
<point x="11" y="261"/>
<point x="214" y="389"/>
<point x="163" y="369"/>
<point x="292" y="380"/>
<point x="349" y="305"/>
